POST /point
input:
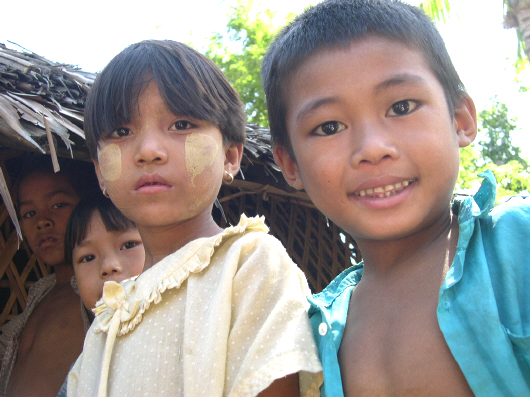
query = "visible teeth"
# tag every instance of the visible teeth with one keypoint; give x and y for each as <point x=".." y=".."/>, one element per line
<point x="387" y="190"/>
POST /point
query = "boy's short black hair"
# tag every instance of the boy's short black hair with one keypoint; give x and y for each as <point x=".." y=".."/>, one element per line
<point x="190" y="84"/>
<point x="335" y="24"/>
<point x="80" y="174"/>
<point x="79" y="221"/>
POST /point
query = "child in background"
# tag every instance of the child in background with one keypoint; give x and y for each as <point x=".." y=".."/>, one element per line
<point x="215" y="312"/>
<point x="367" y="114"/>
<point x="38" y="346"/>
<point x="101" y="244"/>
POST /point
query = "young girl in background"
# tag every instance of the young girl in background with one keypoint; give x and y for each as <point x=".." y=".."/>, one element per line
<point x="102" y="245"/>
<point x="215" y="312"/>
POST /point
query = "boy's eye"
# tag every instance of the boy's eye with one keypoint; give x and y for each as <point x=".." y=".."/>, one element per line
<point x="120" y="133"/>
<point x="87" y="258"/>
<point x="29" y="214"/>
<point x="182" y="125"/>
<point x="329" y="128"/>
<point x="129" y="244"/>
<point x="402" y="108"/>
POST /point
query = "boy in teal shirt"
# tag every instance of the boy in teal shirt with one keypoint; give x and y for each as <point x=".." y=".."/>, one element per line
<point x="367" y="114"/>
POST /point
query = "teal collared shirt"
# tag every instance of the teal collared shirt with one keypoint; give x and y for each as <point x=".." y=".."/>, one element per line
<point x="484" y="303"/>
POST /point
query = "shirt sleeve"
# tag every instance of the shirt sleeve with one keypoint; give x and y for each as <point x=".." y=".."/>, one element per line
<point x="270" y="335"/>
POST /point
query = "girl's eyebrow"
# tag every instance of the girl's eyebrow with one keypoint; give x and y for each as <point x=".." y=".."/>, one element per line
<point x="403" y="78"/>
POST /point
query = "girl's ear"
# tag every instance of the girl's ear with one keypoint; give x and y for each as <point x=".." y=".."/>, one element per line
<point x="233" y="155"/>
<point x="98" y="174"/>
<point x="289" y="167"/>
<point x="465" y="121"/>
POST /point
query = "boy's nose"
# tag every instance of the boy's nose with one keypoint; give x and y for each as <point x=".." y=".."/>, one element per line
<point x="372" y="146"/>
<point x="150" y="149"/>
<point x="111" y="266"/>
<point x="44" y="223"/>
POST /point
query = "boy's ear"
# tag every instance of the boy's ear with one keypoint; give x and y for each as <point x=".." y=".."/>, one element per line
<point x="289" y="167"/>
<point x="465" y="121"/>
<point x="233" y="155"/>
<point x="98" y="174"/>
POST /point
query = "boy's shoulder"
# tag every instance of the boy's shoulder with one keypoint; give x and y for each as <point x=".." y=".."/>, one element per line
<point x="343" y="283"/>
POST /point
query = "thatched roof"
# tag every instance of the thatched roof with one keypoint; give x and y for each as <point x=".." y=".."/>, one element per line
<point x="36" y="93"/>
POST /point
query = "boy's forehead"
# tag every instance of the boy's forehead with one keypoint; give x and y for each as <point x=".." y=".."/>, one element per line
<point x="367" y="46"/>
<point x="40" y="184"/>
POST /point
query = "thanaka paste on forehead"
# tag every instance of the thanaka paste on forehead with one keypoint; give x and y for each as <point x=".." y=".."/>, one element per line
<point x="201" y="150"/>
<point x="109" y="159"/>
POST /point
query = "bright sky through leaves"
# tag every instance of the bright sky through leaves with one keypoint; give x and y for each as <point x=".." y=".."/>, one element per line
<point x="89" y="34"/>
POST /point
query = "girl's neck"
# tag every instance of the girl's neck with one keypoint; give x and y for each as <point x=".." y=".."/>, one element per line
<point x="162" y="241"/>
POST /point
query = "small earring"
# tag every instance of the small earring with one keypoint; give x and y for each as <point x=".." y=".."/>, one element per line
<point x="229" y="178"/>
<point x="105" y="193"/>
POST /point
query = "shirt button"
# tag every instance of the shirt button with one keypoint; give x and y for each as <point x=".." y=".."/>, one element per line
<point x="447" y="305"/>
<point x="323" y="329"/>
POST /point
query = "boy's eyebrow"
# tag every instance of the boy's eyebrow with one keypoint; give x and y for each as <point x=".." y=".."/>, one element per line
<point x="404" y="78"/>
<point x="312" y="105"/>
<point x="49" y="195"/>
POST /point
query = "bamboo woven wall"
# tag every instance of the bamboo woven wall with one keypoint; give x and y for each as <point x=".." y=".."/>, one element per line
<point x="19" y="269"/>
<point x="321" y="251"/>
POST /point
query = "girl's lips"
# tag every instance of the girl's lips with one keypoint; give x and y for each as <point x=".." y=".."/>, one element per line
<point x="152" y="183"/>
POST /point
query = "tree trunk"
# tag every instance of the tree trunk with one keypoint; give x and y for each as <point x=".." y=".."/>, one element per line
<point x="518" y="16"/>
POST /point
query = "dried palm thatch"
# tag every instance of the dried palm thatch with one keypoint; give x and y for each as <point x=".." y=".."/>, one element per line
<point x="41" y="110"/>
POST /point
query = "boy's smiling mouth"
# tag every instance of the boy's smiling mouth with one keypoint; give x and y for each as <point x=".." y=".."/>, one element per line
<point x="384" y="190"/>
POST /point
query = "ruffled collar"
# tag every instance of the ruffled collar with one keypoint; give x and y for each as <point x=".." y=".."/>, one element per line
<point x="122" y="306"/>
<point x="133" y="297"/>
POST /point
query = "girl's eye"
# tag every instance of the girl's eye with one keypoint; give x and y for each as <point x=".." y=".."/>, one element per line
<point x="59" y="205"/>
<point x="120" y="133"/>
<point x="87" y="258"/>
<point x="329" y="128"/>
<point x="129" y="244"/>
<point x="402" y="108"/>
<point x="182" y="125"/>
<point x="29" y="214"/>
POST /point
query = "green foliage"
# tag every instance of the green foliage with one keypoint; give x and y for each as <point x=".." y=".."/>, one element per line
<point x="498" y="144"/>
<point x="239" y="53"/>
<point x="437" y="9"/>
<point x="497" y="154"/>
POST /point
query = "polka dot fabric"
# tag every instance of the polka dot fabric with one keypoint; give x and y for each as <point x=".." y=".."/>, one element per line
<point x="222" y="316"/>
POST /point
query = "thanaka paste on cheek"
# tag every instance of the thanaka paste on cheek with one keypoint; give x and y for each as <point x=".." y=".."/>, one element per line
<point x="201" y="151"/>
<point x="109" y="159"/>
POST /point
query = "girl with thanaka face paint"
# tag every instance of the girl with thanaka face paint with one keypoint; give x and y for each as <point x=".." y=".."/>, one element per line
<point x="215" y="312"/>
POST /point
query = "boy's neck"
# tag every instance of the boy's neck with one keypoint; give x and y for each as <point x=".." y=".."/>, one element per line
<point x="434" y="245"/>
<point x="63" y="274"/>
<point x="160" y="242"/>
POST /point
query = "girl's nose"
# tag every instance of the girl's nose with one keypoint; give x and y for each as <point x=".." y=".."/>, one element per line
<point x="151" y="149"/>
<point x="373" y="145"/>
<point x="111" y="266"/>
